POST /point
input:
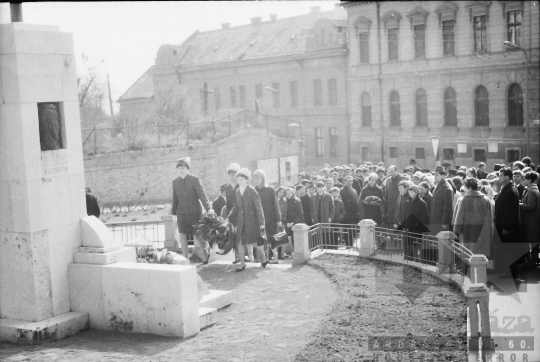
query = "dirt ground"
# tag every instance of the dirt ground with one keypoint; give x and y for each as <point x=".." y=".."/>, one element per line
<point x="274" y="313"/>
<point x="370" y="304"/>
<point x="323" y="311"/>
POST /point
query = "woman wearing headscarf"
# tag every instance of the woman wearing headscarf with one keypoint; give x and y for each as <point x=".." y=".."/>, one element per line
<point x="250" y="218"/>
<point x="272" y="214"/>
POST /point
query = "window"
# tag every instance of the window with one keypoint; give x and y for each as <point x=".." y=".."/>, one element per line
<point x="515" y="105"/>
<point x="317" y="93"/>
<point x="365" y="153"/>
<point x="512" y="156"/>
<point x="514" y="27"/>
<point x="217" y="98"/>
<point x="479" y="155"/>
<point x="481" y="107"/>
<point x="393" y="152"/>
<point x="366" y="110"/>
<point x="450" y="107"/>
<point x="421" y="108"/>
<point x="276" y="95"/>
<point x="294" y="94"/>
<point x="319" y="142"/>
<point x="395" y="115"/>
<point x="420" y="41"/>
<point x="448" y="37"/>
<point x="332" y="92"/>
<point x="480" y="34"/>
<point x="364" y="47"/>
<point x="233" y="97"/>
<point x="258" y="91"/>
<point x="448" y="154"/>
<point x="333" y="142"/>
<point x="393" y="44"/>
<point x="420" y="153"/>
<point x="242" y="90"/>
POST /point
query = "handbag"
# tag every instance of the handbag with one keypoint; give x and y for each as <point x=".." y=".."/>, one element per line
<point x="262" y="239"/>
<point x="279" y="239"/>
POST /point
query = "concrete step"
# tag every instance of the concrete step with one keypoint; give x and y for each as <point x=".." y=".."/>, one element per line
<point x="207" y="317"/>
<point x="216" y="299"/>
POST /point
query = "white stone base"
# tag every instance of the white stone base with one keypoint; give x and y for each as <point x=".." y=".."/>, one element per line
<point x="207" y="317"/>
<point x="124" y="255"/>
<point x="137" y="297"/>
<point x="54" y="328"/>
<point x="216" y="299"/>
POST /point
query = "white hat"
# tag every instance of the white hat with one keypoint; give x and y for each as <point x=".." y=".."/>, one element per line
<point x="233" y="167"/>
<point x="245" y="172"/>
<point x="184" y="160"/>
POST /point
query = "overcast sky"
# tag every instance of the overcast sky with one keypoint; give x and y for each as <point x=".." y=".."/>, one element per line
<point x="127" y="35"/>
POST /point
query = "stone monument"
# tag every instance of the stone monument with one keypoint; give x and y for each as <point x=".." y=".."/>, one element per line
<point x="60" y="270"/>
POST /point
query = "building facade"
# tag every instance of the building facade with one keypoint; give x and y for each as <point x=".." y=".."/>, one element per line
<point x="426" y="72"/>
<point x="292" y="68"/>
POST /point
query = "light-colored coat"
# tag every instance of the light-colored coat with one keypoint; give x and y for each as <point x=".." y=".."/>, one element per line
<point x="473" y="221"/>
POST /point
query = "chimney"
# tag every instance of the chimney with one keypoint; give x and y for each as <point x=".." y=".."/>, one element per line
<point x="225" y="25"/>
<point x="256" y="20"/>
<point x="273" y="17"/>
<point x="315" y="9"/>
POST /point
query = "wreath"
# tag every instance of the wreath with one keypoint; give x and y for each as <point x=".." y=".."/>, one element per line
<point x="373" y="200"/>
<point x="213" y="229"/>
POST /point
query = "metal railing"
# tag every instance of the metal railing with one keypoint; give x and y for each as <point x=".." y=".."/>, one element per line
<point x="415" y="247"/>
<point x="333" y="236"/>
<point x="460" y="257"/>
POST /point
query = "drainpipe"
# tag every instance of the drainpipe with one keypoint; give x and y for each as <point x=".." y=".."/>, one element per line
<point x="380" y="78"/>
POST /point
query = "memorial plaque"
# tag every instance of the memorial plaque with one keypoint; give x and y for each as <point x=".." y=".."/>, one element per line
<point x="54" y="163"/>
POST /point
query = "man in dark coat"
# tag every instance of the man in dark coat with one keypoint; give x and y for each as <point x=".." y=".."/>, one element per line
<point x="416" y="218"/>
<point x="220" y="201"/>
<point x="441" y="209"/>
<point x="92" y="206"/>
<point x="358" y="181"/>
<point x="322" y="206"/>
<point x="507" y="225"/>
<point x="306" y="203"/>
<point x="517" y="176"/>
<point x="188" y="194"/>
<point x="350" y="202"/>
<point x="481" y="173"/>
<point x="391" y="192"/>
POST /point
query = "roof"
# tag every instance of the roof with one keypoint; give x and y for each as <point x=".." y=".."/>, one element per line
<point x="142" y="88"/>
<point x="268" y="38"/>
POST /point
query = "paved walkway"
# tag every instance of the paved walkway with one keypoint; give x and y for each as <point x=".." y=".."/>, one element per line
<point x="275" y="312"/>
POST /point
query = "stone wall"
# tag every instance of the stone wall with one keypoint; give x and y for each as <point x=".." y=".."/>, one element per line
<point x="146" y="176"/>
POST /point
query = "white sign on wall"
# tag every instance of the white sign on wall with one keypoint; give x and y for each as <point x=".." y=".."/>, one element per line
<point x="462" y="148"/>
<point x="270" y="167"/>
<point x="288" y="169"/>
<point x="493" y="147"/>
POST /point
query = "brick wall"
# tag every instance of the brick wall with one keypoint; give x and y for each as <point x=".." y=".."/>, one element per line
<point x="146" y="176"/>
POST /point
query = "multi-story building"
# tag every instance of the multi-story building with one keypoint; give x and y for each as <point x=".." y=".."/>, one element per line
<point x="426" y="72"/>
<point x="292" y="68"/>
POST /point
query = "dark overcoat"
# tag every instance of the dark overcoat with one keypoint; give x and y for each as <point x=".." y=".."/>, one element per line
<point x="530" y="214"/>
<point x="230" y="193"/>
<point x="339" y="211"/>
<point x="428" y="197"/>
<point x="372" y="212"/>
<point x="349" y="196"/>
<point x="391" y="193"/>
<point x="92" y="206"/>
<point x="295" y="212"/>
<point x="188" y="194"/>
<point x="418" y="208"/>
<point x="401" y="208"/>
<point x="218" y="204"/>
<point x="250" y="216"/>
<point x="325" y="203"/>
<point x="272" y="214"/>
<point x="306" y="206"/>
<point x="507" y="214"/>
<point x="441" y="209"/>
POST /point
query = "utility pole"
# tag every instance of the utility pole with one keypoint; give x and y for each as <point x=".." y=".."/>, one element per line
<point x="110" y="98"/>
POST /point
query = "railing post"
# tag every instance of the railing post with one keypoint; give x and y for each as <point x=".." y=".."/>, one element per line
<point x="445" y="251"/>
<point x="301" y="244"/>
<point x="478" y="268"/>
<point x="477" y="295"/>
<point x="170" y="232"/>
<point x="367" y="237"/>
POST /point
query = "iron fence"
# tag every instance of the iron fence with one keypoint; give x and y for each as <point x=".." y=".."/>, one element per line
<point x="412" y="246"/>
<point x="333" y="236"/>
<point x="460" y="257"/>
<point x="125" y="232"/>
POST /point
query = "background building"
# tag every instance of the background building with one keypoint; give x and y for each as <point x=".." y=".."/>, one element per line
<point x="292" y="69"/>
<point x="428" y="70"/>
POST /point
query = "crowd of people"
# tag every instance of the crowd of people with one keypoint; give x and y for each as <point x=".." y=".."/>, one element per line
<point x="494" y="213"/>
